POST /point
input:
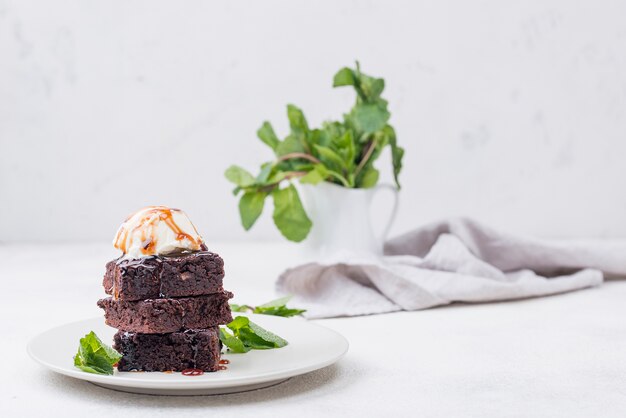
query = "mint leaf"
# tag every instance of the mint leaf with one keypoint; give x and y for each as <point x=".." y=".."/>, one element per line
<point x="267" y="135"/>
<point x="276" y="303"/>
<point x="330" y="158"/>
<point x="239" y="176"/>
<point x="290" y="145"/>
<point x="251" y="207"/>
<point x="94" y="356"/>
<point x="95" y="370"/>
<point x="239" y="308"/>
<point x="246" y="336"/>
<point x="268" y="337"/>
<point x="299" y="127"/>
<point x="369" y="178"/>
<point x="289" y="215"/>
<point x="238" y="323"/>
<point x="277" y="307"/>
<point x="344" y="77"/>
<point x="369" y="117"/>
<point x="297" y="121"/>
<point x="344" y="144"/>
<point x="233" y="343"/>
<point x="93" y="344"/>
<point x="396" y="153"/>
<point x="317" y="175"/>
<point x="279" y="311"/>
<point x="266" y="171"/>
<point x="371" y="87"/>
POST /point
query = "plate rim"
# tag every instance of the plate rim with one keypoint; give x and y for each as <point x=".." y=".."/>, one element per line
<point x="179" y="384"/>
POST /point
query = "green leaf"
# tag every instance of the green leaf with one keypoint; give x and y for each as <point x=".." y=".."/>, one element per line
<point x="233" y="343"/>
<point x="279" y="311"/>
<point x="368" y="88"/>
<point x="344" y="144"/>
<point x="369" y="178"/>
<point x="93" y="344"/>
<point x="251" y="207"/>
<point x="95" y="370"/>
<point x="369" y="117"/>
<point x="247" y="335"/>
<point x="316" y="175"/>
<point x="330" y="158"/>
<point x="277" y="307"/>
<point x="239" y="308"/>
<point x="289" y="215"/>
<point x="319" y="137"/>
<point x="371" y="87"/>
<point x="397" y="153"/>
<point x="253" y="341"/>
<point x="344" y="77"/>
<point x="269" y="338"/>
<point x="299" y="127"/>
<point x="267" y="135"/>
<point x="94" y="356"/>
<point x="239" y="176"/>
<point x="277" y="177"/>
<point x="297" y="121"/>
<point x="289" y="145"/>
<point x="264" y="174"/>
<point x="276" y="303"/>
<point x="239" y="322"/>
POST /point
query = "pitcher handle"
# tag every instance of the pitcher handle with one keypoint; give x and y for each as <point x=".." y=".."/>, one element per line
<point x="394" y="210"/>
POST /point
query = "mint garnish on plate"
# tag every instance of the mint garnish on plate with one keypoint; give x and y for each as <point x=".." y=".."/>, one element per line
<point x="94" y="356"/>
<point x="276" y="307"/>
<point x="243" y="335"/>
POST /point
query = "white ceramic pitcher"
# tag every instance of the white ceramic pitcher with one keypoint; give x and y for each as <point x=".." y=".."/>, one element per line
<point x="342" y="224"/>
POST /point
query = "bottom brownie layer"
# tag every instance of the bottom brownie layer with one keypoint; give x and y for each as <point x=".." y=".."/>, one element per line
<point x="177" y="351"/>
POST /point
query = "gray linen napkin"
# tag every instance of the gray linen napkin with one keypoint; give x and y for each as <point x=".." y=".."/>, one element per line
<point x="457" y="260"/>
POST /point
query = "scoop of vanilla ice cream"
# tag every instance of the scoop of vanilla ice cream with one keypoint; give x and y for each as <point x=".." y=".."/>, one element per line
<point x="157" y="230"/>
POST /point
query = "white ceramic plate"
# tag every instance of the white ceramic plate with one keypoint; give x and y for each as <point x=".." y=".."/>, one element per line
<point x="311" y="347"/>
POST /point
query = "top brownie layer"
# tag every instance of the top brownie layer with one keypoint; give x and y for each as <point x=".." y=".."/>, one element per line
<point x="194" y="274"/>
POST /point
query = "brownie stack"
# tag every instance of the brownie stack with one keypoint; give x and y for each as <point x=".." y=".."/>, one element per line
<point x="167" y="311"/>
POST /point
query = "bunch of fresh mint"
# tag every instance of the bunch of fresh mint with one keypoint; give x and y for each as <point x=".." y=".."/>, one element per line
<point x="338" y="152"/>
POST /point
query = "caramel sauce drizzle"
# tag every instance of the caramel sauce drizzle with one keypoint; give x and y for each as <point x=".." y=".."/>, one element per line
<point x="148" y="243"/>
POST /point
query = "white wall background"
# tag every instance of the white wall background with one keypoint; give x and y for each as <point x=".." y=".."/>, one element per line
<point x="511" y="112"/>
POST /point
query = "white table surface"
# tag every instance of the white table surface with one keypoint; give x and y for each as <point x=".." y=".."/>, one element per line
<point x="562" y="356"/>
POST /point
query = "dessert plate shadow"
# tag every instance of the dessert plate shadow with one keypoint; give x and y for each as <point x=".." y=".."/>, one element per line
<point x="311" y="347"/>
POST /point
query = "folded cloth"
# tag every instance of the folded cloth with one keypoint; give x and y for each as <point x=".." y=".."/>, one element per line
<point x="459" y="260"/>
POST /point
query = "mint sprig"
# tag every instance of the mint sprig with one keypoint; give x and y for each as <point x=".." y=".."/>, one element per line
<point x="277" y="307"/>
<point x="94" y="356"/>
<point x="340" y="152"/>
<point x="243" y="335"/>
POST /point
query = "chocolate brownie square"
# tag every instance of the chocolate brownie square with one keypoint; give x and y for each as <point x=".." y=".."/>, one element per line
<point x="159" y="316"/>
<point x="192" y="274"/>
<point x="177" y="351"/>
